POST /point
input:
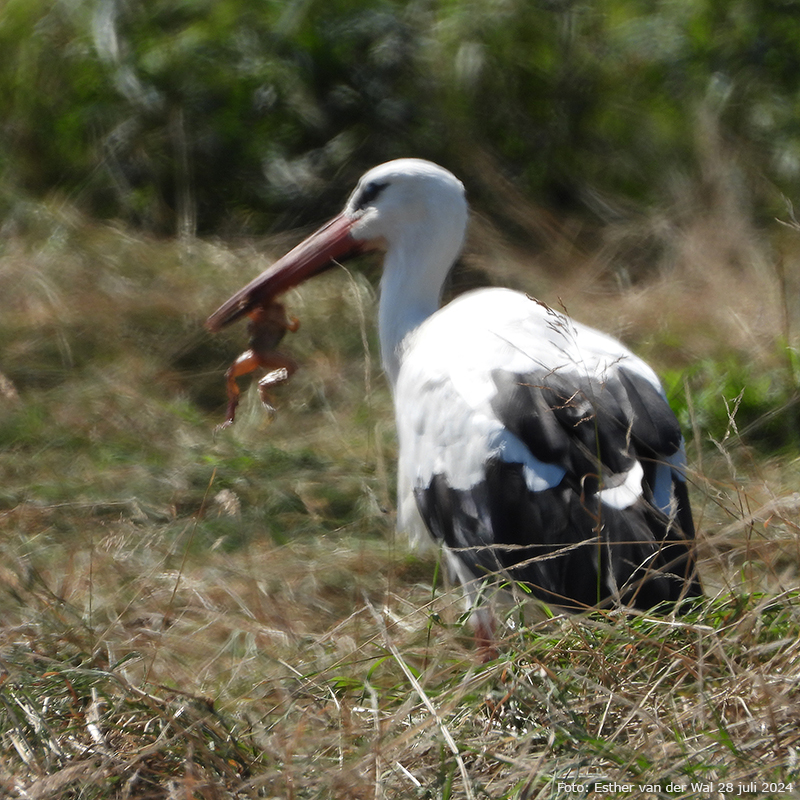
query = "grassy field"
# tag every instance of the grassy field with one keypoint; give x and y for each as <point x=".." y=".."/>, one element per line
<point x="187" y="613"/>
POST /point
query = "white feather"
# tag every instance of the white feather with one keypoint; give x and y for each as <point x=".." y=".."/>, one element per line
<point x="444" y="388"/>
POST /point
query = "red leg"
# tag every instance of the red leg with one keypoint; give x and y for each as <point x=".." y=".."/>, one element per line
<point x="485" y="635"/>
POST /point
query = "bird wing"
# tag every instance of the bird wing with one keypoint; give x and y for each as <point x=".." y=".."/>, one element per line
<point x="541" y="449"/>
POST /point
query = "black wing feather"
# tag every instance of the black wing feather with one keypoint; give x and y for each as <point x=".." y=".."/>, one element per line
<point x="568" y="546"/>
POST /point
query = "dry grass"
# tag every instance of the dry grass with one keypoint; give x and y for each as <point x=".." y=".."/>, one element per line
<point x="187" y="615"/>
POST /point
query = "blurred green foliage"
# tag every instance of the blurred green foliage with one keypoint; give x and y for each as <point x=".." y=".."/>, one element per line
<point x="728" y="399"/>
<point x="245" y="115"/>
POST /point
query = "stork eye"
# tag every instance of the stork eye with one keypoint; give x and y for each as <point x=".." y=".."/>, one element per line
<point x="370" y="192"/>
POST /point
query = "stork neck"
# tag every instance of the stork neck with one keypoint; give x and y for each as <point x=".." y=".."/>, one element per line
<point x="408" y="297"/>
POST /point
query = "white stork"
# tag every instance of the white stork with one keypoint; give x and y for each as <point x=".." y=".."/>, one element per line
<point x="533" y="448"/>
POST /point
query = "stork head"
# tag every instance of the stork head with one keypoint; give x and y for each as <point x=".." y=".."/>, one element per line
<point x="406" y="202"/>
<point x="409" y="208"/>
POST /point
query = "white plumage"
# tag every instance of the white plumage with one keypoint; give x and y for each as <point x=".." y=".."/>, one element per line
<point x="445" y="389"/>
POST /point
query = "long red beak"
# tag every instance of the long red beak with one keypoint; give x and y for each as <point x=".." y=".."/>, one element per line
<point x="332" y="242"/>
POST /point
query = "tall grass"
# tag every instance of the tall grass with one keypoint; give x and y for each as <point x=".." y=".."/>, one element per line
<point x="191" y="614"/>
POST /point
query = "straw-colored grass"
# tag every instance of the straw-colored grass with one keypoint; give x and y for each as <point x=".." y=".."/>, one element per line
<point x="191" y="614"/>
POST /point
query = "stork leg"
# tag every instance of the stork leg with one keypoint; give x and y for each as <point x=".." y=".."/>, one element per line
<point x="482" y="618"/>
<point x="485" y="634"/>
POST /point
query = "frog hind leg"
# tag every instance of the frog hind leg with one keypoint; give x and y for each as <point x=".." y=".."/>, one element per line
<point x="281" y="369"/>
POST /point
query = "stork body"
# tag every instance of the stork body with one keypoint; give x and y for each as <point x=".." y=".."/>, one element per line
<point x="538" y="449"/>
<point x="531" y="447"/>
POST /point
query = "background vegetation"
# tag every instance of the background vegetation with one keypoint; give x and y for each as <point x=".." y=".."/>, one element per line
<point x="191" y="614"/>
<point x="239" y="114"/>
